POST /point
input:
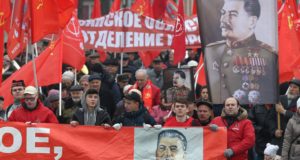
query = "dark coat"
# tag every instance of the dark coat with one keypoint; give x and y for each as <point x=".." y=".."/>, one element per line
<point x="102" y="117"/>
<point x="137" y="118"/>
<point x="259" y="115"/>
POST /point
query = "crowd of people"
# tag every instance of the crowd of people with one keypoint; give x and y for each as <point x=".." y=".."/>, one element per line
<point x="137" y="98"/>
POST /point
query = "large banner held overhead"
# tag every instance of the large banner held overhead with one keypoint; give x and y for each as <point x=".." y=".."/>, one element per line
<point x="240" y="49"/>
<point x="63" y="142"/>
<point x="127" y="31"/>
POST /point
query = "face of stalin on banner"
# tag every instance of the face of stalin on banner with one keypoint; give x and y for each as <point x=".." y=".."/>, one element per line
<point x="236" y="23"/>
<point x="171" y="145"/>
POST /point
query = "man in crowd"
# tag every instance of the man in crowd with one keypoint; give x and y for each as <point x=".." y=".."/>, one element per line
<point x="17" y="91"/>
<point x="156" y="73"/>
<point x="181" y="118"/>
<point x="32" y="110"/>
<point x="205" y="114"/>
<point x="150" y="92"/>
<point x="171" y="144"/>
<point x="72" y="104"/>
<point x="135" y="113"/>
<point x="106" y="97"/>
<point x="240" y="131"/>
<point x="282" y="112"/>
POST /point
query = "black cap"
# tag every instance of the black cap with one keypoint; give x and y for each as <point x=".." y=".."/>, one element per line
<point x="208" y="104"/>
<point x="125" y="57"/>
<point x="94" y="55"/>
<point x="123" y="78"/>
<point x="157" y="60"/>
<point x="16" y="83"/>
<point x="76" y="88"/>
<point x="133" y="96"/>
<point x="295" y="81"/>
<point x="95" y="77"/>
<point x="111" y="62"/>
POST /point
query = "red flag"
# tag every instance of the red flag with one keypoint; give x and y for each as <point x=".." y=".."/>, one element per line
<point x="289" y="48"/>
<point x="4" y="19"/>
<point x="178" y="43"/>
<point x="16" y="41"/>
<point x="115" y="6"/>
<point x="143" y="7"/>
<point x="200" y="72"/>
<point x="48" y="70"/>
<point x="194" y="8"/>
<point x="148" y="56"/>
<point x="49" y="16"/>
<point x="96" y="13"/>
<point x="159" y="8"/>
<point x="102" y="55"/>
<point x="72" y="39"/>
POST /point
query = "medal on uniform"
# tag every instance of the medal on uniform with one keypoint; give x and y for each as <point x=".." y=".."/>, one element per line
<point x="235" y="68"/>
<point x="254" y="96"/>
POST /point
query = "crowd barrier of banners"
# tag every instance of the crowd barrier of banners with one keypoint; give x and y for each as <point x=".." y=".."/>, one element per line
<point x="127" y="31"/>
<point x="63" y="142"/>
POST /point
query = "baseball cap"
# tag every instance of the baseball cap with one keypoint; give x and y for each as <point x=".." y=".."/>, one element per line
<point x="30" y="90"/>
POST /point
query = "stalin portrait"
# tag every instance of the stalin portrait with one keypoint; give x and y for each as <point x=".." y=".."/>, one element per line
<point x="179" y="90"/>
<point x="240" y="65"/>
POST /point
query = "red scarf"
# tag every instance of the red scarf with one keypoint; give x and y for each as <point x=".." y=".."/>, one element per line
<point x="146" y="94"/>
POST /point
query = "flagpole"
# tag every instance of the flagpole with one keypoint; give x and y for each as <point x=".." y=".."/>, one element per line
<point x="75" y="77"/>
<point x="121" y="63"/>
<point x="12" y="14"/>
<point x="27" y="50"/>
<point x="34" y="67"/>
<point x="60" y="90"/>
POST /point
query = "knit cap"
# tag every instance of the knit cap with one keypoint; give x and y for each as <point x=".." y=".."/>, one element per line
<point x="271" y="150"/>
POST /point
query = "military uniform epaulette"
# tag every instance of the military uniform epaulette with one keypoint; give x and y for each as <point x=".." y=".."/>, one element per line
<point x="216" y="43"/>
<point x="267" y="47"/>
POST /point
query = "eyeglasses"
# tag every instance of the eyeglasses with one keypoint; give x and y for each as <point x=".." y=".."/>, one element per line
<point x="29" y="99"/>
<point x="17" y="90"/>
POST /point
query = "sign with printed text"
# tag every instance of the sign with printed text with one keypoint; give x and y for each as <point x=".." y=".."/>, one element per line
<point x="63" y="142"/>
<point x="126" y="31"/>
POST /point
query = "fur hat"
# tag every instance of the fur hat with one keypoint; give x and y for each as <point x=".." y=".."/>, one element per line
<point x="271" y="150"/>
<point x="68" y="75"/>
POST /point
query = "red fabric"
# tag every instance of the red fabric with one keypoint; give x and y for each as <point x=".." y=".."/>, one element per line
<point x="39" y="115"/>
<point x="178" y="43"/>
<point x="159" y="8"/>
<point x="5" y="8"/>
<point x="48" y="69"/>
<point x="194" y="8"/>
<point x="201" y="72"/>
<point x="16" y="43"/>
<point x="172" y="122"/>
<point x="289" y="48"/>
<point x="49" y="16"/>
<point x="115" y="6"/>
<point x="155" y="95"/>
<point x="73" y="51"/>
<point x="96" y="13"/>
<point x="240" y="136"/>
<point x="102" y="55"/>
<point x="148" y="56"/>
<point x="143" y="7"/>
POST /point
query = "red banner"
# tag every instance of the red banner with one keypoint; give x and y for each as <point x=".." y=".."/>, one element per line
<point x="126" y="31"/>
<point x="63" y="142"/>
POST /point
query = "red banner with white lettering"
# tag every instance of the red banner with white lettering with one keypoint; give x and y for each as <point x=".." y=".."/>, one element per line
<point x="63" y="142"/>
<point x="127" y="31"/>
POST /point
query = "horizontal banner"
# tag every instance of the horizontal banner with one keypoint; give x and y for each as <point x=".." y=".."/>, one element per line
<point x="127" y="31"/>
<point x="63" y="142"/>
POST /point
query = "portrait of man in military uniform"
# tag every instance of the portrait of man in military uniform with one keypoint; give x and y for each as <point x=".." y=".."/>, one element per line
<point x="240" y="65"/>
<point x="178" y="85"/>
